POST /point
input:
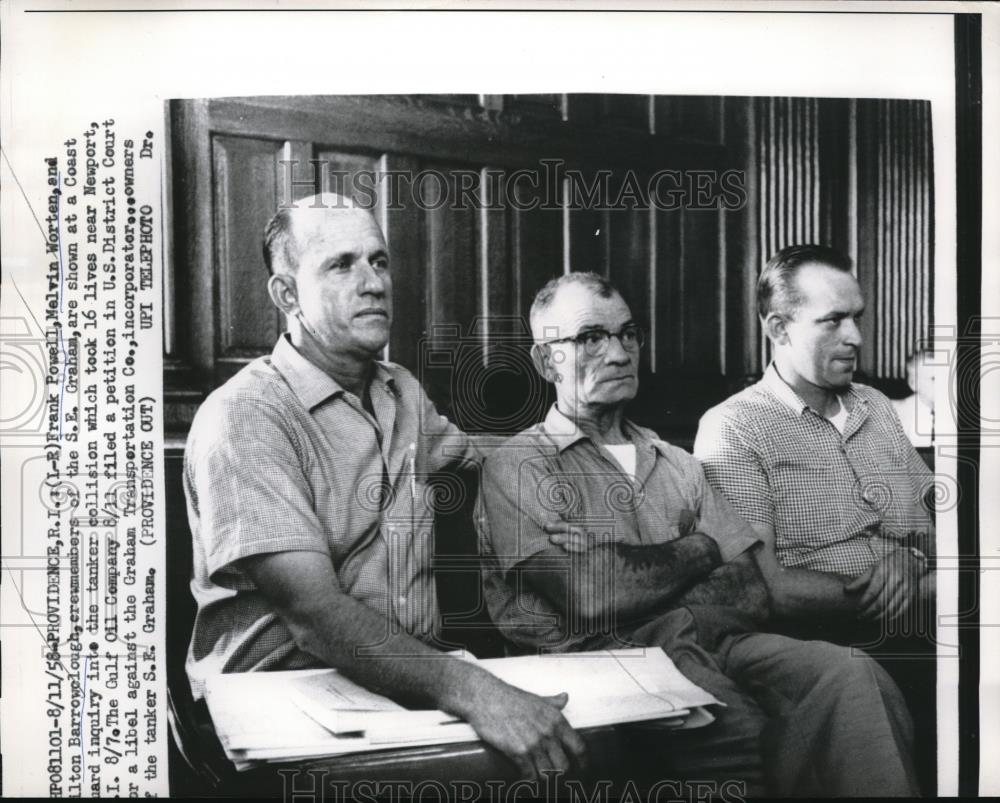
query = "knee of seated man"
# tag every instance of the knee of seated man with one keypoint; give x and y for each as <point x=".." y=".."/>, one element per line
<point x="849" y="667"/>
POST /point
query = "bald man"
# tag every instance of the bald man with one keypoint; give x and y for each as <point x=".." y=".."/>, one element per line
<point x="312" y="540"/>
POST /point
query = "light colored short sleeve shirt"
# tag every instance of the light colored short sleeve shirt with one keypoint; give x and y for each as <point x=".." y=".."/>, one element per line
<point x="281" y="458"/>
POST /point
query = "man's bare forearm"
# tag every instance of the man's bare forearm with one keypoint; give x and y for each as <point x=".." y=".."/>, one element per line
<point x="344" y="633"/>
<point x="665" y="568"/>
<point x="736" y="584"/>
<point x="624" y="580"/>
<point x="804" y="593"/>
<point x="800" y="593"/>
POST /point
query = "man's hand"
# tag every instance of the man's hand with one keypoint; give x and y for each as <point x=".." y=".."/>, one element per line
<point x="528" y="729"/>
<point x="334" y="627"/>
<point x="889" y="587"/>
<point x="575" y="538"/>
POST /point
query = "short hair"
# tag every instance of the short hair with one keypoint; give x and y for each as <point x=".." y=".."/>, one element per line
<point x="278" y="246"/>
<point x="280" y="254"/>
<point x="594" y="282"/>
<point x="776" y="286"/>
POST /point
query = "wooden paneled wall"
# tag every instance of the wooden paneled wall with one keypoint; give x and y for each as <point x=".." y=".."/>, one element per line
<point x="857" y="175"/>
<point x="464" y="274"/>
<point x="895" y="228"/>
<point x="852" y="174"/>
<point x="788" y="155"/>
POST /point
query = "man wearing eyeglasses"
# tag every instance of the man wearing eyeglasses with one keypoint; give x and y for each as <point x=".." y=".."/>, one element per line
<point x="668" y="563"/>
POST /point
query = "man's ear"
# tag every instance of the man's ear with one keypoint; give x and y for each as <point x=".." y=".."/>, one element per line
<point x="541" y="356"/>
<point x="776" y="328"/>
<point x="284" y="295"/>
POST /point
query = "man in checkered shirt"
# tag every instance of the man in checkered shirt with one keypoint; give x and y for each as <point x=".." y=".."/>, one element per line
<point x="312" y="540"/>
<point x="820" y="465"/>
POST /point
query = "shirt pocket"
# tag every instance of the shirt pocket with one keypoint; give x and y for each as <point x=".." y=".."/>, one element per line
<point x="561" y="495"/>
<point x="809" y="494"/>
<point x="667" y="524"/>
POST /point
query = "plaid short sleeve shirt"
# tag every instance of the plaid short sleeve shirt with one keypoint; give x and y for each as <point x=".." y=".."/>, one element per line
<point x="837" y="502"/>
<point x="282" y="458"/>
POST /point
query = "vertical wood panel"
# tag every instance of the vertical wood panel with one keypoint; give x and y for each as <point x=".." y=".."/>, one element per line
<point x="787" y="173"/>
<point x="588" y="245"/>
<point x="833" y="187"/>
<point x="297" y="175"/>
<point x="884" y="258"/>
<point x="454" y="285"/>
<point x="888" y="259"/>
<point x="866" y="227"/>
<point x="403" y="224"/>
<point x="246" y="184"/>
<point x="342" y="173"/>
<point x="907" y="235"/>
<point x="495" y="269"/>
<point x="894" y="180"/>
<point x="536" y="246"/>
<point x="701" y="292"/>
<point x="193" y="282"/>
<point x="689" y="118"/>
<point x="742" y="245"/>
<point x="668" y="305"/>
<point x="925" y="212"/>
<point x="722" y="292"/>
<point x="511" y="395"/>
<point x="453" y="266"/>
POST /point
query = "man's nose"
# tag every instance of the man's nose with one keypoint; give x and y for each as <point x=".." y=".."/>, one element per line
<point x="852" y="332"/>
<point x="370" y="281"/>
<point x="616" y="353"/>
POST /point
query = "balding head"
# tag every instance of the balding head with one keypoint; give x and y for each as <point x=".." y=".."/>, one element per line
<point x="281" y="247"/>
<point x="546" y="297"/>
<point x="330" y="277"/>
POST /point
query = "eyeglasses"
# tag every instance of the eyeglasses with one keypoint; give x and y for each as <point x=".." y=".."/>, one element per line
<point x="595" y="341"/>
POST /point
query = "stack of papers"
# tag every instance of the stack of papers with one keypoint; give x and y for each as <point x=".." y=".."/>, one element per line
<point x="284" y="716"/>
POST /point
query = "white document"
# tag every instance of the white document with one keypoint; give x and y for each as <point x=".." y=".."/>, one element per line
<point x="321" y="712"/>
<point x="596" y="681"/>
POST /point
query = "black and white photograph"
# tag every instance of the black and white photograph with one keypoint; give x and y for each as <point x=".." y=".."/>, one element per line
<point x="539" y="425"/>
<point x="587" y="253"/>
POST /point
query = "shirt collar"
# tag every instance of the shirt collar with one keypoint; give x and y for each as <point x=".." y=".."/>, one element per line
<point x="781" y="390"/>
<point x="564" y="432"/>
<point x="310" y="383"/>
